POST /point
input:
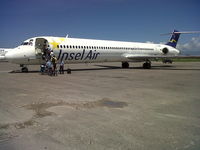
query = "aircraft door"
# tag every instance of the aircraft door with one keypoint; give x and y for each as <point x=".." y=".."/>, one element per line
<point x="41" y="45"/>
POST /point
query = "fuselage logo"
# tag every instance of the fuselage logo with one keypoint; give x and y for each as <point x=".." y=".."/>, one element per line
<point x="173" y="41"/>
<point x="84" y="55"/>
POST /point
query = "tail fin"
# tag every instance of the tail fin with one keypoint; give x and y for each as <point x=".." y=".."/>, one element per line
<point x="175" y="36"/>
<point x="174" y="39"/>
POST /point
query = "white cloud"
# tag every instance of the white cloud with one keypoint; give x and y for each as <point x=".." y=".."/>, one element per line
<point x="194" y="43"/>
<point x="191" y="47"/>
<point x="149" y="42"/>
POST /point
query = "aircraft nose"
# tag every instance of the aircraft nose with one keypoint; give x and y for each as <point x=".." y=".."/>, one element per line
<point x="9" y="56"/>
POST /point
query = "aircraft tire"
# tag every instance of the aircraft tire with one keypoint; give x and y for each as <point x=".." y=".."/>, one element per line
<point x="24" y="69"/>
<point x="147" y="65"/>
<point x="125" y="65"/>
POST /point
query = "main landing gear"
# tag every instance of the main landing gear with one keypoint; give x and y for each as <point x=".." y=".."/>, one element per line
<point x="125" y="65"/>
<point x="147" y="65"/>
<point x="23" y="68"/>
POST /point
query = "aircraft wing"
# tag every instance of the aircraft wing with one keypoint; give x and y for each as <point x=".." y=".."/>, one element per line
<point x="143" y="57"/>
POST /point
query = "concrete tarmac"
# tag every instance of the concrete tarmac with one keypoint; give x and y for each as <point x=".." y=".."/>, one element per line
<point x="101" y="106"/>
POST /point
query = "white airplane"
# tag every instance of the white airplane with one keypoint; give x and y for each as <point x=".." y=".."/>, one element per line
<point x="75" y="50"/>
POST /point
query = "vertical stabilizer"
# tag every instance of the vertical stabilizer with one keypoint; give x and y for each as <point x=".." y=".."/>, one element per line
<point x="174" y="39"/>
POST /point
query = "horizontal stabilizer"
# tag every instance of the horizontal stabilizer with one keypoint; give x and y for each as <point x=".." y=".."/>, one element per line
<point x="184" y="32"/>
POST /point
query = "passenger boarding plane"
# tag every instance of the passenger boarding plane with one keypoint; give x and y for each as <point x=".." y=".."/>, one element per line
<point x="75" y="50"/>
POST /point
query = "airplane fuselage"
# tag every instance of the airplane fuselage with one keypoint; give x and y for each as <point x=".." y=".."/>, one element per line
<point x="74" y="50"/>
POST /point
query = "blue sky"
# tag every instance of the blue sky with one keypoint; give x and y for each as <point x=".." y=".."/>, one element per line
<point x="124" y="20"/>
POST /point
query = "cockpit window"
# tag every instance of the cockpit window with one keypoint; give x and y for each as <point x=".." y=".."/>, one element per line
<point x="24" y="43"/>
<point x="30" y="42"/>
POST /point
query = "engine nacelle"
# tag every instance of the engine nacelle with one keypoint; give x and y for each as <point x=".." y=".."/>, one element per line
<point x="165" y="51"/>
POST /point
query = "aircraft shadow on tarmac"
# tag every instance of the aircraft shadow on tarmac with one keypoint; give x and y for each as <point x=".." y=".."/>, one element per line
<point x="82" y="69"/>
<point x="160" y="67"/>
<point x="106" y="67"/>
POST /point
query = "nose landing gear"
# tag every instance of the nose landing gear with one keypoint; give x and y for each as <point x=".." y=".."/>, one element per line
<point x="24" y="68"/>
<point x="69" y="71"/>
